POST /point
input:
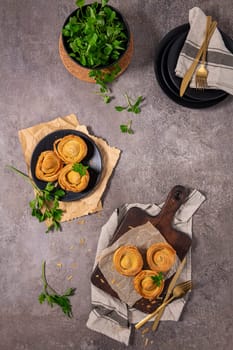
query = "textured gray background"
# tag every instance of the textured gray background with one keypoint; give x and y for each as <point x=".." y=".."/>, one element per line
<point x="171" y="145"/>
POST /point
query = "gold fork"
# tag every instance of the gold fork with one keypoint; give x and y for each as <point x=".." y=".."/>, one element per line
<point x="179" y="291"/>
<point x="202" y="72"/>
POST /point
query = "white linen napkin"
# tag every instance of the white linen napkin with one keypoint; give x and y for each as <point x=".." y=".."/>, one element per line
<point x="109" y="315"/>
<point x="219" y="58"/>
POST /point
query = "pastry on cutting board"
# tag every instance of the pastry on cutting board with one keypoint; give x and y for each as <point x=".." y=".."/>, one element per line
<point x="128" y="260"/>
<point x="160" y="256"/>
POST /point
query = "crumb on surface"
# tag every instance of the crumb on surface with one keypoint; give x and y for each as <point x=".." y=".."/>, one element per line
<point x="146" y="330"/>
<point x="74" y="265"/>
<point x="82" y="241"/>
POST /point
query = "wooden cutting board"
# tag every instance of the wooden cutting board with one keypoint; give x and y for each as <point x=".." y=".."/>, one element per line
<point x="180" y="241"/>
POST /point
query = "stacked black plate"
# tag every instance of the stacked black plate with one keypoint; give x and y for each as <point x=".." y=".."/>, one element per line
<point x="165" y="63"/>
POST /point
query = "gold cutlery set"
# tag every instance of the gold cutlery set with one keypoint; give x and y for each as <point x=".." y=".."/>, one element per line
<point x="174" y="292"/>
<point x="201" y="73"/>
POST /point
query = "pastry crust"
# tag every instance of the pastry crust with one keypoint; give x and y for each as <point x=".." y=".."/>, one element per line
<point x="71" y="180"/>
<point x="160" y="256"/>
<point x="70" y="148"/>
<point x="128" y="260"/>
<point x="145" y="286"/>
<point x="48" y="166"/>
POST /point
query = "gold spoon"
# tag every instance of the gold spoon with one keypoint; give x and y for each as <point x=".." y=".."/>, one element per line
<point x="179" y="291"/>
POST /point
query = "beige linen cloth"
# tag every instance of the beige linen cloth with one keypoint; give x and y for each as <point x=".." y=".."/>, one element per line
<point x="92" y="203"/>
<point x="219" y="58"/>
<point x="111" y="316"/>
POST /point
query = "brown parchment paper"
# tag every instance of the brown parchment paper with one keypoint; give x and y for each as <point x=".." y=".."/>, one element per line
<point x="31" y="136"/>
<point x="142" y="237"/>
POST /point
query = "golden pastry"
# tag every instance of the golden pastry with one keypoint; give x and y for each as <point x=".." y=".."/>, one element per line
<point x="70" y="148"/>
<point x="128" y="260"/>
<point x="71" y="180"/>
<point x="160" y="256"/>
<point x="48" y="166"/>
<point x="146" y="286"/>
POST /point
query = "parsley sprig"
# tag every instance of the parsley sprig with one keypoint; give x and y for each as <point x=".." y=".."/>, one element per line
<point x="45" y="205"/>
<point x="80" y="168"/>
<point x="127" y="128"/>
<point x="103" y="80"/>
<point x="52" y="297"/>
<point x="157" y="279"/>
<point x="131" y="106"/>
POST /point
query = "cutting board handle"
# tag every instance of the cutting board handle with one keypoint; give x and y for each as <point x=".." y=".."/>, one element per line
<point x="175" y="199"/>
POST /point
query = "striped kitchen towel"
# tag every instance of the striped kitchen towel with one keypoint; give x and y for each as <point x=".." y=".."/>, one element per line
<point x="109" y="315"/>
<point x="219" y="58"/>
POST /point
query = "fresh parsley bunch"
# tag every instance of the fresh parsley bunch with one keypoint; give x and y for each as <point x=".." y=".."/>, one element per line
<point x="53" y="298"/>
<point x="45" y="205"/>
<point x="96" y="35"/>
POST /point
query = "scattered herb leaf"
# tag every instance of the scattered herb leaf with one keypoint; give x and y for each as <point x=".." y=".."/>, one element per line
<point x="131" y="107"/>
<point x="53" y="297"/>
<point x="80" y="168"/>
<point x="126" y="128"/>
<point x="45" y="205"/>
<point x="157" y="279"/>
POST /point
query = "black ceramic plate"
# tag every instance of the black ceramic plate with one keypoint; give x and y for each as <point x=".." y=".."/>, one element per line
<point x="93" y="159"/>
<point x="173" y="54"/>
<point x="164" y="78"/>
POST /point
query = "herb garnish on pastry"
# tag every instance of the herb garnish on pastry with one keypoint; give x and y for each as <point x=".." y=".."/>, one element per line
<point x="147" y="285"/>
<point x="72" y="180"/>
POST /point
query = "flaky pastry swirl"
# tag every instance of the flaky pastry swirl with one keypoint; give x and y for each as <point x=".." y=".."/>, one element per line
<point x="48" y="166"/>
<point x="71" y="180"/>
<point x="70" y="148"/>
<point x="145" y="286"/>
<point x="160" y="256"/>
<point x="127" y="260"/>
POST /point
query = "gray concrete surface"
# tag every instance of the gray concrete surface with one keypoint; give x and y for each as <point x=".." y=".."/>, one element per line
<point x="171" y="145"/>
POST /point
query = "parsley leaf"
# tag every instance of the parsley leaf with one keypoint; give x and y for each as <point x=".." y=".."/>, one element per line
<point x="80" y="168"/>
<point x="102" y="79"/>
<point x="126" y="128"/>
<point x="131" y="107"/>
<point x="157" y="279"/>
<point x="53" y="297"/>
<point x="45" y="205"/>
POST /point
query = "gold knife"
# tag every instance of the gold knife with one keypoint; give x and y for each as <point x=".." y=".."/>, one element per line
<point x="188" y="75"/>
<point x="169" y="292"/>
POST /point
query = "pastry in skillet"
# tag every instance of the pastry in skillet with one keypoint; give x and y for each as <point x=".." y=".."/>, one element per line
<point x="70" y="148"/>
<point x="71" y="180"/>
<point x="147" y="285"/>
<point x="127" y="260"/>
<point x="160" y="256"/>
<point x="48" y="166"/>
